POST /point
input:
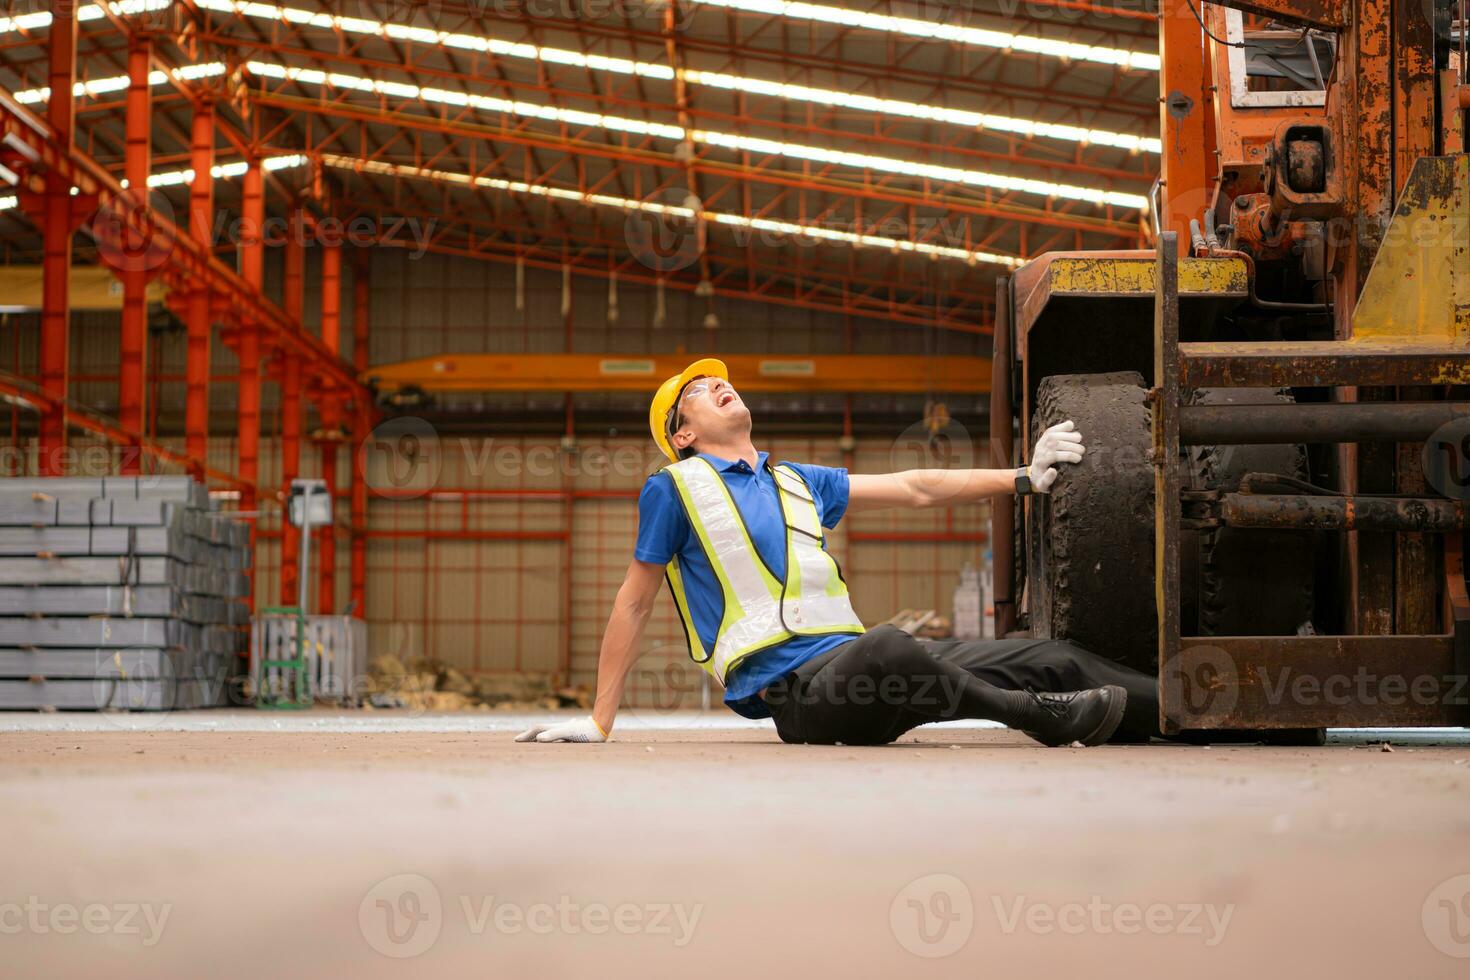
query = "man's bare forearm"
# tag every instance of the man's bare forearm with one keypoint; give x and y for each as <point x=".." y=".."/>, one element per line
<point x="620" y="651"/>
<point x="927" y="488"/>
<point x="934" y="488"/>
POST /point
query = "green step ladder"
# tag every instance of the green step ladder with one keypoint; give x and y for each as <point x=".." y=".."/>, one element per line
<point x="268" y="699"/>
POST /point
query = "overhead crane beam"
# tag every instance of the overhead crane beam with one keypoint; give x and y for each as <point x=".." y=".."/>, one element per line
<point x="874" y="373"/>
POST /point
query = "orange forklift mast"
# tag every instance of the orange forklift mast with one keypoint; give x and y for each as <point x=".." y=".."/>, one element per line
<point x="1286" y="358"/>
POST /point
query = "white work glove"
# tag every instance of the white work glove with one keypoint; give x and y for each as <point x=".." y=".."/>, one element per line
<point x="1062" y="443"/>
<point x="580" y="730"/>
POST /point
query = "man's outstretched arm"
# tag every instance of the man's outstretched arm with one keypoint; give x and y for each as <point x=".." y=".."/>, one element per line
<point x="1062" y="443"/>
<point x="620" y="651"/>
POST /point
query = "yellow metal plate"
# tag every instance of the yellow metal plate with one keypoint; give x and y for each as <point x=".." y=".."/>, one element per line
<point x="1109" y="276"/>
<point x="1419" y="286"/>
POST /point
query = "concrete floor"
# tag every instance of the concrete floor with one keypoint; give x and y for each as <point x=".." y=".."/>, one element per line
<point x="239" y="844"/>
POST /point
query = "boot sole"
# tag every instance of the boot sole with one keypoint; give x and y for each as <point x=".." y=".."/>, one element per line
<point x="1116" y="703"/>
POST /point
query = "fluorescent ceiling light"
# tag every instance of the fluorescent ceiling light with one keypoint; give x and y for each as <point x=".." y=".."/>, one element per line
<point x="813" y="232"/>
<point x="916" y="110"/>
<point x="912" y="27"/>
<point x="91" y="11"/>
<point x="94" y="87"/>
<point x="731" y="141"/>
<point x="174" y="178"/>
<point x="576" y="117"/>
<point x="754" y="86"/>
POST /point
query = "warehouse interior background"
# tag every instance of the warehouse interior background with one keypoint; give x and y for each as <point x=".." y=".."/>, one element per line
<point x="439" y="254"/>
<point x="431" y="179"/>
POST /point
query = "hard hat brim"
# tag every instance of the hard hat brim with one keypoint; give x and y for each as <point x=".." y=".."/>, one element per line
<point x="668" y="396"/>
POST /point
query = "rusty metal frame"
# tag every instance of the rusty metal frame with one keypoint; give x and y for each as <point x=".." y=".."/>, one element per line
<point x="1234" y="682"/>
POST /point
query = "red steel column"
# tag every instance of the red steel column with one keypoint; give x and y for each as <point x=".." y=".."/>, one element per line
<point x="332" y="294"/>
<point x="56" y="240"/>
<point x="291" y="295"/>
<point x="133" y="340"/>
<point x="330" y="419"/>
<point x="358" y="510"/>
<point x="252" y="268"/>
<point x="291" y="403"/>
<point x="290" y="469"/>
<point x="201" y="218"/>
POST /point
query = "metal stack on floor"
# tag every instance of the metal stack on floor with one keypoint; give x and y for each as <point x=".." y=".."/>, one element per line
<point x="119" y="592"/>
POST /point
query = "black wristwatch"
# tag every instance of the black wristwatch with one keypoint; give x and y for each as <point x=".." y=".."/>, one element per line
<point x="1023" y="482"/>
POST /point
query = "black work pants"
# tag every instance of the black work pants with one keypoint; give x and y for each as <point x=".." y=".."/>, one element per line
<point x="876" y="687"/>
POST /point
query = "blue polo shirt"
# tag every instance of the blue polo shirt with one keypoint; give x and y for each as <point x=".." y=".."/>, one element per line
<point x="664" y="531"/>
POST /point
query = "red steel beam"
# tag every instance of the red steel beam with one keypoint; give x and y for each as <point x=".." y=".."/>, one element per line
<point x="23" y="392"/>
<point x="291" y="403"/>
<point x="185" y="260"/>
<point x="326" y="588"/>
<point x="198" y="321"/>
<point x="57" y="237"/>
<point x="357" y="517"/>
<point x="332" y="294"/>
<point x="133" y="333"/>
<point x="252" y="266"/>
<point x="327" y="410"/>
<point x="521" y="136"/>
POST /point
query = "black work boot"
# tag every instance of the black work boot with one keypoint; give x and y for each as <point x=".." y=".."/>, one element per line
<point x="1089" y="717"/>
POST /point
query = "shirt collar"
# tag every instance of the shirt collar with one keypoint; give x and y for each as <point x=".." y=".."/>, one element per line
<point x="726" y="465"/>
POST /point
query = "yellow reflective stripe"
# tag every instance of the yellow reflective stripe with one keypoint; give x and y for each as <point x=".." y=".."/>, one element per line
<point x="760" y="611"/>
<point x="732" y="601"/>
<point x="675" y="579"/>
<point x="816" y="599"/>
<point x="798" y="503"/>
<point x="752" y="615"/>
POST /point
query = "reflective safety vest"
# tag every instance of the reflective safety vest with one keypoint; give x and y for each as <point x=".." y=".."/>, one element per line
<point x="761" y="611"/>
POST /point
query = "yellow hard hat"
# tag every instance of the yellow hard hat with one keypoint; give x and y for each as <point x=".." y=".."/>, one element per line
<point x="668" y="396"/>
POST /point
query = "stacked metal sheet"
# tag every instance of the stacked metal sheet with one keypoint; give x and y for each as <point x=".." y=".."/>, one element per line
<point x="119" y="592"/>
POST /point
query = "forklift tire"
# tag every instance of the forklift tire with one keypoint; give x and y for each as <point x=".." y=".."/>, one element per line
<point x="1091" y="540"/>
<point x="1251" y="582"/>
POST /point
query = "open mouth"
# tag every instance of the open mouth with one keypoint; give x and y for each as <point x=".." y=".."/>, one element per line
<point x="726" y="397"/>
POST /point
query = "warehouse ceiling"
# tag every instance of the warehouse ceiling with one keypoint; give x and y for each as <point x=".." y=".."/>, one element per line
<point x="885" y="160"/>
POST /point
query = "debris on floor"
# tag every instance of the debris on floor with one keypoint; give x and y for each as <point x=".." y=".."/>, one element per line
<point x="924" y="623"/>
<point x="424" y="684"/>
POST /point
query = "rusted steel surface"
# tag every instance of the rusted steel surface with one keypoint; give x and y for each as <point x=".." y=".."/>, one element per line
<point x="1418" y="564"/>
<point x="1457" y="590"/>
<point x="1002" y="508"/>
<point x="1317" y="13"/>
<point x="1316" y="363"/>
<point x="1167" y="508"/>
<point x="1414" y="117"/>
<point x="1306" y="166"/>
<point x="1314" y="513"/>
<point x="1244" y="425"/>
<point x="1315" y="682"/>
<point x="1124" y="273"/>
